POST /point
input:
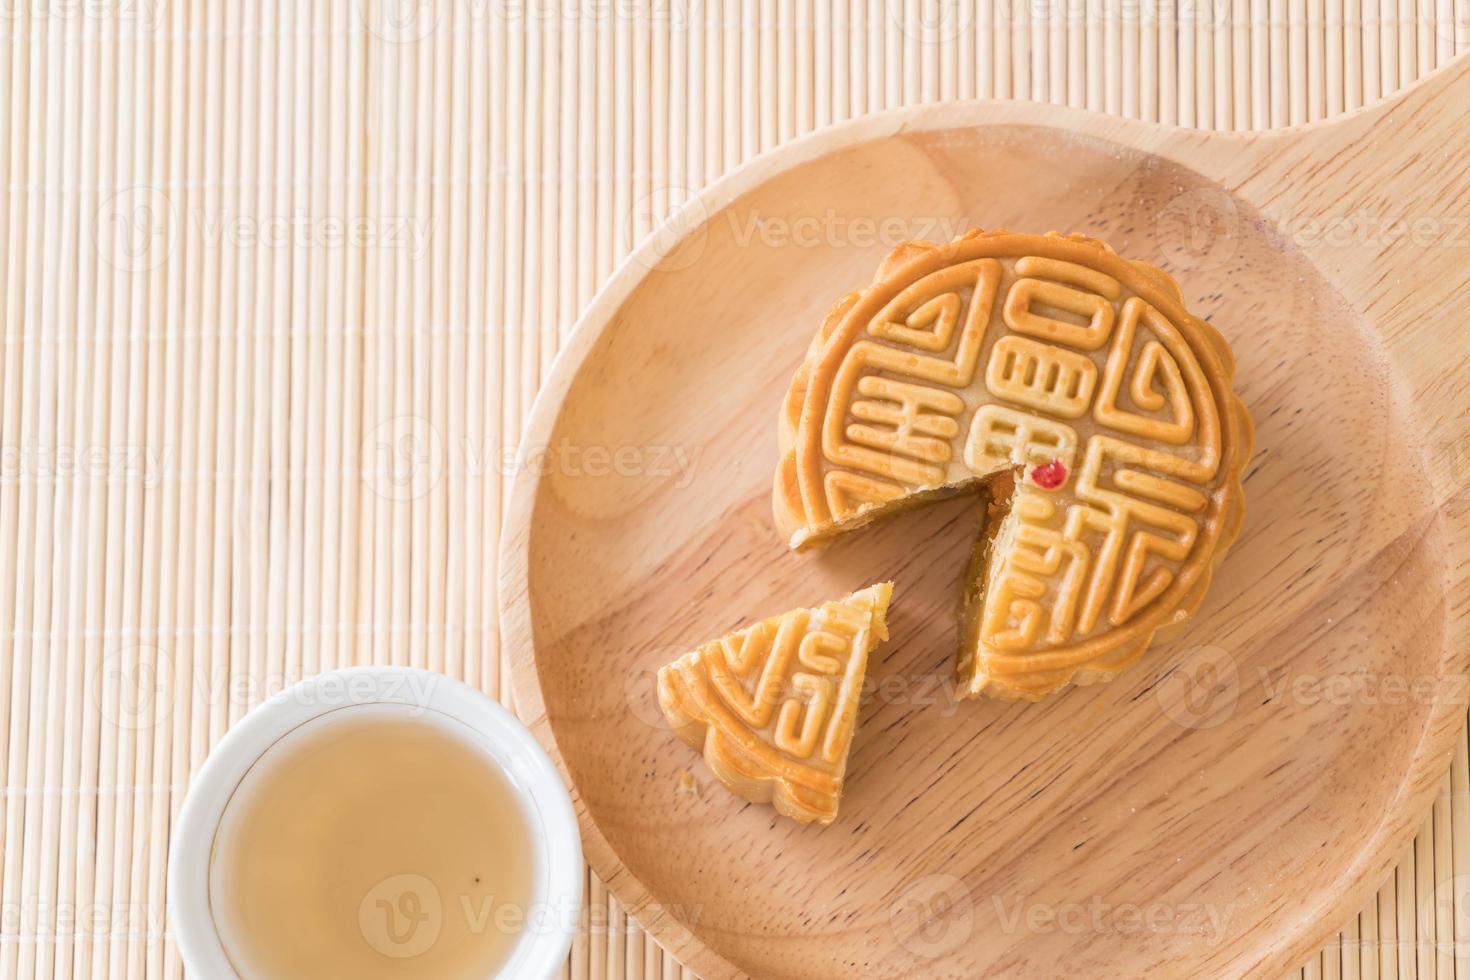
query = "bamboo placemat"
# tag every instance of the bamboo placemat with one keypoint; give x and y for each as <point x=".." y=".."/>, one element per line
<point x="280" y="281"/>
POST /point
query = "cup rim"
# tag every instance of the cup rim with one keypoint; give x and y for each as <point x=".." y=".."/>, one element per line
<point x="542" y="795"/>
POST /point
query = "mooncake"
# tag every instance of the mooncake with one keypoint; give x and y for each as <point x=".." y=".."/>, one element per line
<point x="774" y="706"/>
<point x="1073" y="392"/>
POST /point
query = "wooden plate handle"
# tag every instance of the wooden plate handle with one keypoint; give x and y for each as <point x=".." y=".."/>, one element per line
<point x="1379" y="200"/>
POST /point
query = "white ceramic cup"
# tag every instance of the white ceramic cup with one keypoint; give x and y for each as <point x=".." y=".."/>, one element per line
<point x="456" y="707"/>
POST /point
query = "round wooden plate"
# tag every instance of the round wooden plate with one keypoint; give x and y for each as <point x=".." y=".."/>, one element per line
<point x="1219" y="809"/>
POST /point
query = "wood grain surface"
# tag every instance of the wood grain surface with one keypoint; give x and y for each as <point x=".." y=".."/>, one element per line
<point x="1212" y="787"/>
<point x="280" y="281"/>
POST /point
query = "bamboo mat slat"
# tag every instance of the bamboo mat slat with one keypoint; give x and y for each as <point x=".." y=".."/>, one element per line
<point x="280" y="279"/>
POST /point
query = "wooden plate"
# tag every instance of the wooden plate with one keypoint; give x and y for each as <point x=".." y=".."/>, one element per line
<point x="1215" y="812"/>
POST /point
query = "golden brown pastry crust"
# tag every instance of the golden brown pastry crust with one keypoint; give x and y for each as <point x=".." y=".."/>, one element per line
<point x="1074" y="344"/>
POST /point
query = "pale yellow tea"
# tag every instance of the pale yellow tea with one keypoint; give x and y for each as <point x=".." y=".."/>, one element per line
<point x="370" y="843"/>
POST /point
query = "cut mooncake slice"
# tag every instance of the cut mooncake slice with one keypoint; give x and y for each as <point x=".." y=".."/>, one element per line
<point x="774" y="706"/>
<point x="1073" y="390"/>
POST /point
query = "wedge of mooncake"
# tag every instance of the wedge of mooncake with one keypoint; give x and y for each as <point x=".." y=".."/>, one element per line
<point x="1071" y="389"/>
<point x="773" y="707"/>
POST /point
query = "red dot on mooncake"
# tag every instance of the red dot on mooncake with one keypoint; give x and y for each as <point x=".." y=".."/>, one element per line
<point x="1050" y="476"/>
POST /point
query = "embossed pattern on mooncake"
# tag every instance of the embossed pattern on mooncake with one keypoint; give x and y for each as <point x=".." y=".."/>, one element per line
<point x="1052" y="359"/>
<point x="773" y="707"/>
